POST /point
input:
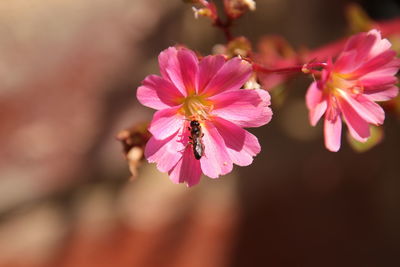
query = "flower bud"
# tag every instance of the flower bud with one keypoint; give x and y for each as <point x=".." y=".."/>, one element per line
<point x="236" y="8"/>
<point x="203" y="12"/>
<point x="239" y="46"/>
<point x="133" y="141"/>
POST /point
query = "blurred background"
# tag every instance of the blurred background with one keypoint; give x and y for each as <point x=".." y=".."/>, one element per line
<point x="69" y="70"/>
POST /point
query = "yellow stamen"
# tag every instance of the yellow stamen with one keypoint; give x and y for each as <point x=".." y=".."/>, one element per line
<point x="340" y="81"/>
<point x="196" y="107"/>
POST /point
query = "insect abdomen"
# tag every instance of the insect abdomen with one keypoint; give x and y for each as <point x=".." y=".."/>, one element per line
<point x="196" y="135"/>
<point x="197" y="149"/>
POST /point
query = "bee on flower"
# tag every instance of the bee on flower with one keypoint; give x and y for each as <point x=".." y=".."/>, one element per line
<point x="207" y="91"/>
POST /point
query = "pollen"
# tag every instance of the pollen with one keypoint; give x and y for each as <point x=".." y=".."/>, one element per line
<point x="357" y="89"/>
<point x="340" y="81"/>
<point x="196" y="107"/>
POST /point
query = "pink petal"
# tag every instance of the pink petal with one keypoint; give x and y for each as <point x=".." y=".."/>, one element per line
<point x="317" y="112"/>
<point x="375" y="63"/>
<point x="379" y="84"/>
<point x="246" y="108"/>
<point x="375" y="83"/>
<point x="357" y="126"/>
<point x="382" y="95"/>
<point x="365" y="108"/>
<point x="368" y="45"/>
<point x="170" y="68"/>
<point x="208" y="67"/>
<point x="389" y="69"/>
<point x="271" y="80"/>
<point x="216" y="160"/>
<point x="187" y="169"/>
<point x="189" y="68"/>
<point x="364" y="53"/>
<point x="165" y="153"/>
<point x="346" y="62"/>
<point x="380" y="45"/>
<point x="231" y="76"/>
<point x="166" y="122"/>
<point x="241" y="145"/>
<point x="363" y="43"/>
<point x="333" y="133"/>
<point x="179" y="67"/>
<point x="375" y="110"/>
<point x="313" y="96"/>
<point x="355" y="41"/>
<point x="158" y="93"/>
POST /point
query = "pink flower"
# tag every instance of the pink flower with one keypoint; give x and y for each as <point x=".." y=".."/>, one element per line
<point x="363" y="72"/>
<point x="207" y="91"/>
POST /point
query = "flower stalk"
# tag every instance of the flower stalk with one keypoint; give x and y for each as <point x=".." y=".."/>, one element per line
<point x="308" y="68"/>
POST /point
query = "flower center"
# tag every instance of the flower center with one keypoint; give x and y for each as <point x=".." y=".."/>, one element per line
<point x="340" y="81"/>
<point x="196" y="107"/>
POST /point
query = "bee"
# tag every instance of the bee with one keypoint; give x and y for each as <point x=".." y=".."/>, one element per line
<point x="195" y="135"/>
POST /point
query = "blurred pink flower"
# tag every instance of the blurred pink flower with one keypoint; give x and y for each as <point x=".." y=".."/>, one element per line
<point x="364" y="72"/>
<point x="275" y="52"/>
<point x="207" y="91"/>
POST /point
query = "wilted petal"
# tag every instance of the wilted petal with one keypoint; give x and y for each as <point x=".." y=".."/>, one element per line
<point x="246" y="108"/>
<point x="241" y="145"/>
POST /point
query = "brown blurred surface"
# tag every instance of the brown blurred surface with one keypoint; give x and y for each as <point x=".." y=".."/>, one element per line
<point x="68" y="73"/>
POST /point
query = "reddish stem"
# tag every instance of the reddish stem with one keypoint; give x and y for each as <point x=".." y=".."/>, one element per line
<point x="306" y="68"/>
<point x="225" y="27"/>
